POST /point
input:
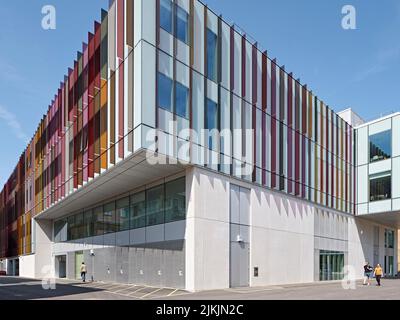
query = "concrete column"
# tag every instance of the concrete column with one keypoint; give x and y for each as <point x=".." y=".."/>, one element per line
<point x="44" y="261"/>
<point x="207" y="230"/>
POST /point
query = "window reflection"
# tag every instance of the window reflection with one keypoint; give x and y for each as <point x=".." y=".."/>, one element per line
<point x="155" y="206"/>
<point x="181" y="100"/>
<point x="380" y="146"/>
<point x="166" y="15"/>
<point x="162" y="204"/>
<point x="165" y="92"/>
<point x="182" y="25"/>
<point x="331" y="265"/>
<point x="212" y="50"/>
<point x="380" y="188"/>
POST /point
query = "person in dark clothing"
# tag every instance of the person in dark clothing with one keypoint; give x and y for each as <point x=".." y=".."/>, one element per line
<point x="367" y="273"/>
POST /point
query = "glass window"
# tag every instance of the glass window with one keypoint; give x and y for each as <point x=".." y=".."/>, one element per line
<point x="175" y="201"/>
<point x="212" y="56"/>
<point x="138" y="209"/>
<point x="380" y="146"/>
<point x="181" y="100"/>
<point x="88" y="224"/>
<point x="123" y="214"/>
<point x="79" y="225"/>
<point x="182" y="25"/>
<point x="165" y="92"/>
<point x="166" y="15"/>
<point x="389" y="239"/>
<point x="155" y="206"/>
<point x="211" y="119"/>
<point x="110" y="225"/>
<point x="380" y="188"/>
<point x="59" y="230"/>
<point x="98" y="220"/>
<point x="71" y="228"/>
<point x="331" y="265"/>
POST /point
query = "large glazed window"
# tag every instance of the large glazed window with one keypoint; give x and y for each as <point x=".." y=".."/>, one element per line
<point x="155" y="206"/>
<point x="181" y="100"/>
<point x="123" y="214"/>
<point x="212" y="50"/>
<point x="175" y="200"/>
<point x="138" y="210"/>
<point x="166" y="15"/>
<point x="389" y="239"/>
<point x="109" y="218"/>
<point x="98" y="219"/>
<point x="380" y="188"/>
<point x="88" y="224"/>
<point x="80" y="226"/>
<point x="71" y="228"/>
<point x="182" y="25"/>
<point x="211" y="121"/>
<point x="380" y="146"/>
<point x="165" y="86"/>
<point x="331" y="265"/>
<point x="162" y="204"/>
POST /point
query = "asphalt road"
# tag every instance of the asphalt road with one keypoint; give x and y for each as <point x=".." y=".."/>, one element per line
<point x="12" y="288"/>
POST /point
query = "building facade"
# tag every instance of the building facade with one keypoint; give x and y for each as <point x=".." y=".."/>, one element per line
<point x="177" y="153"/>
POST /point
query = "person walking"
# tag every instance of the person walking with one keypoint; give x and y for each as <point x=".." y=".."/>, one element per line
<point x="83" y="271"/>
<point x="378" y="274"/>
<point x="367" y="274"/>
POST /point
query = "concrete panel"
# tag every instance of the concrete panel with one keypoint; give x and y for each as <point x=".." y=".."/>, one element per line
<point x="138" y="236"/>
<point x="235" y="204"/>
<point x="123" y="266"/>
<point x="380" y="167"/>
<point x="109" y="239"/>
<point x="110" y="264"/>
<point x="122" y="238"/>
<point x="98" y="240"/>
<point x="175" y="230"/>
<point x="380" y="206"/>
<point x="71" y="265"/>
<point x="155" y="234"/>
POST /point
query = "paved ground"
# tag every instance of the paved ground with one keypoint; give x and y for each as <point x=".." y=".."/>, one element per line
<point x="24" y="289"/>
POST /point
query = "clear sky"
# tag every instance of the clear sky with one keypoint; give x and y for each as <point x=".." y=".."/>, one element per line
<point x="345" y="68"/>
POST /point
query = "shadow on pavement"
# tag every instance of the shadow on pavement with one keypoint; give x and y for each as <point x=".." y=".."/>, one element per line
<point x="27" y="289"/>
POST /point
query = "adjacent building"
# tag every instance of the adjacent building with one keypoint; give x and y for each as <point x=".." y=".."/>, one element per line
<point x="177" y="153"/>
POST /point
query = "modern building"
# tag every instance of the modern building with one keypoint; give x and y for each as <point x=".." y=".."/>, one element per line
<point x="177" y="153"/>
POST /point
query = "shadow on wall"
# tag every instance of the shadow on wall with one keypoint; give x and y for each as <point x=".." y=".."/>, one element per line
<point x="365" y="235"/>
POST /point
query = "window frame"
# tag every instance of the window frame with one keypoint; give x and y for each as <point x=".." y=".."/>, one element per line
<point x="214" y="75"/>
<point x="379" y="177"/>
<point x="175" y="98"/>
<point x="170" y="28"/>
<point x="371" y="159"/>
<point x="179" y="9"/>
<point x="160" y="75"/>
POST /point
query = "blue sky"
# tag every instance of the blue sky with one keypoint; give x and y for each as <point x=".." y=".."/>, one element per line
<point x="356" y="68"/>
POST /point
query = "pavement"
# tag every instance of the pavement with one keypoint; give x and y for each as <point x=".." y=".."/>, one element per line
<point x="15" y="288"/>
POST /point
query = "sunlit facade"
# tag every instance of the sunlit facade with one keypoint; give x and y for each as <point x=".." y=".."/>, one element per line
<point x="120" y="174"/>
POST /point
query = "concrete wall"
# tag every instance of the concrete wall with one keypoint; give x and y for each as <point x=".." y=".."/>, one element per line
<point x="159" y="265"/>
<point x="286" y="234"/>
<point x="207" y="231"/>
<point x="27" y="266"/>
